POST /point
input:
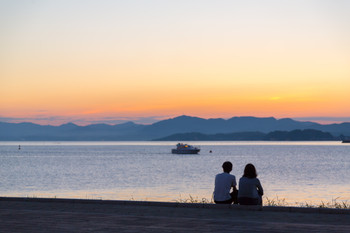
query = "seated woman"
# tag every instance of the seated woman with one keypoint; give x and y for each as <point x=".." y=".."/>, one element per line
<point x="250" y="189"/>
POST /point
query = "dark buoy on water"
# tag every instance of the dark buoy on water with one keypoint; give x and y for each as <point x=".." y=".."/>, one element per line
<point x="210" y="151"/>
<point x="19" y="147"/>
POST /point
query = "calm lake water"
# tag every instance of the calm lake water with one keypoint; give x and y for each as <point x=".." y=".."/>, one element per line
<point x="295" y="171"/>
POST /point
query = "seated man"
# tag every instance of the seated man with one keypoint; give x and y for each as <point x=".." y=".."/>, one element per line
<point x="223" y="184"/>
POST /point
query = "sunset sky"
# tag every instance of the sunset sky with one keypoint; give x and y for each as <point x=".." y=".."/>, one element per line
<point x="113" y="61"/>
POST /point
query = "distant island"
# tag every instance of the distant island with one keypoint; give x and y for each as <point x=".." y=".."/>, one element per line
<point x="180" y="128"/>
<point x="295" y="135"/>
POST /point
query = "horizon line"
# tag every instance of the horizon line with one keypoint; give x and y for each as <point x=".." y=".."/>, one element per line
<point x="79" y="121"/>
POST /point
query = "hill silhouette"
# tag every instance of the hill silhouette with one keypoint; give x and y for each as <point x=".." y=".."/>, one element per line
<point x="161" y="129"/>
<point x="294" y="135"/>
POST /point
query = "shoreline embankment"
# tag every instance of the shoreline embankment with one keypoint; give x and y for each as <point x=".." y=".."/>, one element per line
<point x="84" y="215"/>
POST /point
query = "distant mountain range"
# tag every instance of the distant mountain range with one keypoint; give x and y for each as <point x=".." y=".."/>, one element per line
<point x="251" y="126"/>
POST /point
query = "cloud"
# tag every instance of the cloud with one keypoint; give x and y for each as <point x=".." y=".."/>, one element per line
<point x="82" y="120"/>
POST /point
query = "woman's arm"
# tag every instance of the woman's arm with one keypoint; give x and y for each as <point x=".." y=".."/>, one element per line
<point x="260" y="188"/>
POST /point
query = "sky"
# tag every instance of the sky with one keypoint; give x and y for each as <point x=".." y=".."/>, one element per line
<point x="114" y="61"/>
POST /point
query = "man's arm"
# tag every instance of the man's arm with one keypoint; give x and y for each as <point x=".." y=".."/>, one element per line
<point x="234" y="193"/>
<point x="234" y="184"/>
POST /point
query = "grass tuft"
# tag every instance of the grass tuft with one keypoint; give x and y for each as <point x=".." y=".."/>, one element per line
<point x="334" y="204"/>
<point x="191" y="199"/>
<point x="275" y="202"/>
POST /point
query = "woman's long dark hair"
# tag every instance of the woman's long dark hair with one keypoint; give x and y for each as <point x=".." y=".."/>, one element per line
<point x="249" y="171"/>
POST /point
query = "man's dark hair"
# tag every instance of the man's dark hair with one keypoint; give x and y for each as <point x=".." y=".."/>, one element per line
<point x="249" y="171"/>
<point x="227" y="166"/>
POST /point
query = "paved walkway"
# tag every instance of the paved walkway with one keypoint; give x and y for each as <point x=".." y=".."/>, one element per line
<point x="73" y="215"/>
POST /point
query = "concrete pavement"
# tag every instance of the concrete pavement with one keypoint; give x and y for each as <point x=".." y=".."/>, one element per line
<point x="79" y="215"/>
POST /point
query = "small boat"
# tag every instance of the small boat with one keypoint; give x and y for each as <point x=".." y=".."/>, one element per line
<point x="346" y="141"/>
<point x="185" y="149"/>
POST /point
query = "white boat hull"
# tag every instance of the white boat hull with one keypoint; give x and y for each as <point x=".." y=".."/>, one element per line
<point x="184" y="151"/>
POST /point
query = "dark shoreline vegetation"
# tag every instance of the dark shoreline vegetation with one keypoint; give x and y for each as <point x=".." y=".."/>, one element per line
<point x="281" y="202"/>
<point x="181" y="128"/>
<point x="295" y="135"/>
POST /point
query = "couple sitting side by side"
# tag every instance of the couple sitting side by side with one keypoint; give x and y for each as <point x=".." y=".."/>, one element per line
<point x="250" y="190"/>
